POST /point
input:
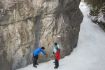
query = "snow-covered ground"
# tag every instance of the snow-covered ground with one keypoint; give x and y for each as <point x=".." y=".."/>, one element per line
<point x="90" y="52"/>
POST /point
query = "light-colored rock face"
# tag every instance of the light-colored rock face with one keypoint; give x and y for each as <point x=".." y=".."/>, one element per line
<point x="17" y="33"/>
<point x="24" y="24"/>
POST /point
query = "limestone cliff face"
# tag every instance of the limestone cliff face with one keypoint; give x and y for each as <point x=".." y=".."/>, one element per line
<point x="26" y="24"/>
<point x="65" y="17"/>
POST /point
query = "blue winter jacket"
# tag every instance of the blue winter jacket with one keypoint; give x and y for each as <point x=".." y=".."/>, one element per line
<point x="37" y="51"/>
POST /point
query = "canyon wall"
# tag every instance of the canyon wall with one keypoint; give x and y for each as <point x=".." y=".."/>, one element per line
<point x="27" y="24"/>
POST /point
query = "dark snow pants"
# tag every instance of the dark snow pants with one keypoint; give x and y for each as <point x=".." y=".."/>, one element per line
<point x="35" y="58"/>
<point x="56" y="63"/>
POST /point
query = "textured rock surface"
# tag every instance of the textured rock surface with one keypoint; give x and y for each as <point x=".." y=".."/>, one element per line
<point x="24" y="24"/>
<point x="65" y="17"/>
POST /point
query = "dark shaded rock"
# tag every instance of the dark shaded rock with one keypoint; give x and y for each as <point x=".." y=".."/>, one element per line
<point x="72" y="17"/>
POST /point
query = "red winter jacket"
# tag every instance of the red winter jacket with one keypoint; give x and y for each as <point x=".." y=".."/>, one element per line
<point x="57" y="55"/>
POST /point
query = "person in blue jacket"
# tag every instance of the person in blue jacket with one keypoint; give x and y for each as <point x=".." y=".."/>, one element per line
<point x="36" y="52"/>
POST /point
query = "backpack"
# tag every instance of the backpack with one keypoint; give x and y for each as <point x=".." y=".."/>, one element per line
<point x="57" y="48"/>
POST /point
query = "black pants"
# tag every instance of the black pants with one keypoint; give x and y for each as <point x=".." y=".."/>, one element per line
<point x="35" y="58"/>
<point x="56" y="63"/>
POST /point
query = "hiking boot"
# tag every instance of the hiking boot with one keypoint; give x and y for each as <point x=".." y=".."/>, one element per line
<point x="35" y="66"/>
<point x="55" y="67"/>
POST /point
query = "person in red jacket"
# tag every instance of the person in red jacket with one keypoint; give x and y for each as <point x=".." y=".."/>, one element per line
<point x="56" y="53"/>
<point x="57" y="58"/>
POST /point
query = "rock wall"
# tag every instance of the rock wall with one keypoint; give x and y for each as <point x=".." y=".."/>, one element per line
<point x="26" y="24"/>
<point x="65" y="17"/>
<point x="16" y="33"/>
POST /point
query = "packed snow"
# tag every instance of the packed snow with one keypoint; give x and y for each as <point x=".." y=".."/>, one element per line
<point x="90" y="52"/>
